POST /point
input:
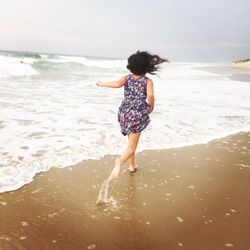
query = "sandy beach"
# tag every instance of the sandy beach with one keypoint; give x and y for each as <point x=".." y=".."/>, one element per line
<point x="241" y="65"/>
<point x="194" y="197"/>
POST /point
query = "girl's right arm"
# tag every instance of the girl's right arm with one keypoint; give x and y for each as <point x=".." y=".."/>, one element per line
<point x="113" y="84"/>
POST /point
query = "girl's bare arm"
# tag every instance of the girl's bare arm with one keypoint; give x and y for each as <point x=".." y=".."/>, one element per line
<point x="150" y="93"/>
<point x="112" y="84"/>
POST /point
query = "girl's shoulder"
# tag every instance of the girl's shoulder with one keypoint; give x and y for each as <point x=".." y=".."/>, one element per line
<point x="128" y="76"/>
<point x="148" y="79"/>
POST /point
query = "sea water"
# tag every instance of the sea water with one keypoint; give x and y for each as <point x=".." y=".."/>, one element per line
<point x="52" y="114"/>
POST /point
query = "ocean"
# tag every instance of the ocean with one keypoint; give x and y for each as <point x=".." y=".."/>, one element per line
<point x="54" y="115"/>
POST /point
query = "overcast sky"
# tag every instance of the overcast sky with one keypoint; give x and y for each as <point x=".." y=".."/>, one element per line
<point x="181" y="30"/>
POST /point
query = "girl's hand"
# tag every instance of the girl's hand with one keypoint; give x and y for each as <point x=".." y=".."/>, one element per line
<point x="112" y="84"/>
<point x="99" y="83"/>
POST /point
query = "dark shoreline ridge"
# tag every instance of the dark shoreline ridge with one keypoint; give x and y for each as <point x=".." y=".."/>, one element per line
<point x="196" y="197"/>
<point x="242" y="60"/>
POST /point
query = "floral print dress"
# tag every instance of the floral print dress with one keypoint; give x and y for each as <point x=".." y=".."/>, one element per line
<point x="133" y="112"/>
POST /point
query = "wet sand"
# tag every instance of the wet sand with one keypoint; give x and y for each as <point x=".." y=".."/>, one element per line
<point x="194" y="197"/>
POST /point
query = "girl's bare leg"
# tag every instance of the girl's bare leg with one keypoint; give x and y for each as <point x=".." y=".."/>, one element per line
<point x="131" y="160"/>
<point x="129" y="151"/>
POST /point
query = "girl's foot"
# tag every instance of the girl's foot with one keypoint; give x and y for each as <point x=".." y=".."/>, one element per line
<point x="116" y="170"/>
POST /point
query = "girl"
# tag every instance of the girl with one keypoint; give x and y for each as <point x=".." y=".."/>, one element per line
<point x="133" y="113"/>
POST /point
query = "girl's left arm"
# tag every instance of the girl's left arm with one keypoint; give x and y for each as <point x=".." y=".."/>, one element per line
<point x="112" y="84"/>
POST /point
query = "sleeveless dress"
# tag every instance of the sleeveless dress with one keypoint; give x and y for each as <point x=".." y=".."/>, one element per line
<point x="133" y="112"/>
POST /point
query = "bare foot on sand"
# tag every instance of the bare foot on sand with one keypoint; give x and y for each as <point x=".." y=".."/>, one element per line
<point x="132" y="169"/>
<point x="116" y="170"/>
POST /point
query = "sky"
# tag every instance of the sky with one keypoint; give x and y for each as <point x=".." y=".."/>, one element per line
<point x="180" y="30"/>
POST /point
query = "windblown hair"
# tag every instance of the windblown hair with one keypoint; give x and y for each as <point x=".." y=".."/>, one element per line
<point x="143" y="62"/>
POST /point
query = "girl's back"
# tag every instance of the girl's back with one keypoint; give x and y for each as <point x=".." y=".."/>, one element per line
<point x="135" y="88"/>
<point x="133" y="111"/>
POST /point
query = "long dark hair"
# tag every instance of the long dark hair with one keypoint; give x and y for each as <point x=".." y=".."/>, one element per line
<point x="143" y="62"/>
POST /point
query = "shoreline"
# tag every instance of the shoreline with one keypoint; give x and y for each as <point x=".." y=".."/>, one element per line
<point x="192" y="197"/>
<point x="19" y="186"/>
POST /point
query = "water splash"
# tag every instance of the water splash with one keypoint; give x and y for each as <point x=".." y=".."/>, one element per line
<point x="104" y="197"/>
<point x="103" y="193"/>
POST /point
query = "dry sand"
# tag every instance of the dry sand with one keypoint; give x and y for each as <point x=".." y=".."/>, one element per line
<point x="194" y="197"/>
<point x="242" y="65"/>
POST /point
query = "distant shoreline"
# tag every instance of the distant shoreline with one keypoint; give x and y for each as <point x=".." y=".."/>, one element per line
<point x="244" y="64"/>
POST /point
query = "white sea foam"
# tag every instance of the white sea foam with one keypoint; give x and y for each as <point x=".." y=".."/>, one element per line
<point x="61" y="117"/>
<point x="10" y="66"/>
<point x="90" y="62"/>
